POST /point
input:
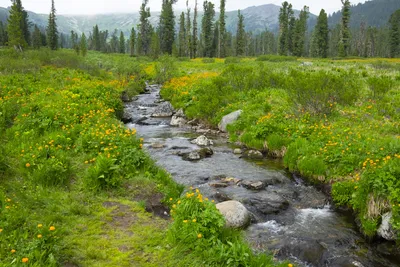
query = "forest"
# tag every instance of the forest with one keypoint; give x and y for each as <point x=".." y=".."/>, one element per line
<point x="82" y="182"/>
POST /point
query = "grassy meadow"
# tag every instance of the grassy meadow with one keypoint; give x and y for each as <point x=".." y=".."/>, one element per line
<point x="75" y="184"/>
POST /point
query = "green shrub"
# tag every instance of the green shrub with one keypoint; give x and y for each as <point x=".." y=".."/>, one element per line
<point x="208" y="60"/>
<point x="276" y="58"/>
<point x="379" y="86"/>
<point x="232" y="60"/>
<point x="342" y="192"/>
<point x="165" y="69"/>
<point x="311" y="166"/>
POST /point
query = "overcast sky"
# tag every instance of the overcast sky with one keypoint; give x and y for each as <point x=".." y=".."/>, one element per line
<point x="123" y="6"/>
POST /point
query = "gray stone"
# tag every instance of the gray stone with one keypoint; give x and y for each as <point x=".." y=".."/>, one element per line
<point x="236" y="215"/>
<point x="237" y="151"/>
<point x="218" y="185"/>
<point x="267" y="203"/>
<point x="177" y="121"/>
<point x="126" y="117"/>
<point x="180" y="113"/>
<point x="229" y="119"/>
<point x="386" y="230"/>
<point x="197" y="154"/>
<point x="253" y="154"/>
<point x="202" y="141"/>
<point x="163" y="110"/>
<point x="257" y="185"/>
<point x="157" y="145"/>
<point x="194" y="156"/>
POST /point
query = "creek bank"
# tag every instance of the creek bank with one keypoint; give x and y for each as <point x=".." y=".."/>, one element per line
<point x="285" y="210"/>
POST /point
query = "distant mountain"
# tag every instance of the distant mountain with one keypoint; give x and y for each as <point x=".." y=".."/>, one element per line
<point x="373" y="13"/>
<point x="257" y="18"/>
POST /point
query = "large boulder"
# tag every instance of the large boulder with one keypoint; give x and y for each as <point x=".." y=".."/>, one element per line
<point x="163" y="110"/>
<point x="202" y="141"/>
<point x="229" y="119"/>
<point x="236" y="215"/>
<point x="385" y="229"/>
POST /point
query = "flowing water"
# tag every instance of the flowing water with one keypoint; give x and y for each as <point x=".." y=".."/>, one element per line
<point x="291" y="218"/>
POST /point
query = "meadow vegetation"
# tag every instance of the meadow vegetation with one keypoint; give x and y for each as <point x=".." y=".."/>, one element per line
<point x="74" y="181"/>
<point x="332" y="121"/>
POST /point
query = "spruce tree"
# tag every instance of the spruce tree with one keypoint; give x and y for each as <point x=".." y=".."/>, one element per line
<point x="52" y="32"/>
<point x="36" y="38"/>
<point x="83" y="45"/>
<point x="300" y="33"/>
<point x="96" y="38"/>
<point x="188" y="33"/>
<point x="167" y="26"/>
<point x="283" y="29"/>
<point x="74" y="42"/>
<point x="182" y="36"/>
<point x="155" y="49"/>
<point x="145" y="29"/>
<point x="394" y="41"/>
<point x="195" y="33"/>
<point x="240" y="36"/>
<point x="207" y="28"/>
<point x="122" y="43"/>
<point x="24" y="22"/>
<point x="3" y="36"/>
<point x="132" y="41"/>
<point x="16" y="37"/>
<point x="114" y="42"/>
<point x="222" y="31"/>
<point x="345" y="30"/>
<point x="321" y="35"/>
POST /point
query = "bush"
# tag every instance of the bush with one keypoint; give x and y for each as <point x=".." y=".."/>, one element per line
<point x="208" y="60"/>
<point x="276" y="58"/>
<point x="165" y="69"/>
<point x="232" y="60"/>
<point x="379" y="86"/>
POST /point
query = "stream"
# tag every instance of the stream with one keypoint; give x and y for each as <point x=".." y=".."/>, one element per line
<point x="290" y="218"/>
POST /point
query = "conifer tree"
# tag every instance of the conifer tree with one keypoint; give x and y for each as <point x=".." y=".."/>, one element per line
<point x="195" y="33"/>
<point x="132" y="41"/>
<point x="240" y="36"/>
<point x="321" y="36"/>
<point x="3" y="34"/>
<point x="114" y="42"/>
<point x="394" y="34"/>
<point x="122" y="43"/>
<point x="182" y="36"/>
<point x="52" y="32"/>
<point x="36" y="38"/>
<point x="145" y="29"/>
<point x="300" y="33"/>
<point x="74" y="42"/>
<point x="83" y="45"/>
<point x="345" y="30"/>
<point x="222" y="31"/>
<point x="207" y="28"/>
<point x="284" y="19"/>
<point x="96" y="38"/>
<point x="24" y="22"/>
<point x="188" y="33"/>
<point x="167" y="26"/>
<point x="155" y="49"/>
<point x="16" y="37"/>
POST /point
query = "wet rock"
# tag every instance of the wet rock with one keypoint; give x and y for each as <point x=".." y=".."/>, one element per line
<point x="177" y="121"/>
<point x="194" y="122"/>
<point x="266" y="203"/>
<point x="202" y="141"/>
<point x="309" y="197"/>
<point x="219" y="185"/>
<point x="127" y="117"/>
<point x="163" y="110"/>
<point x="253" y="154"/>
<point x="180" y="114"/>
<point x="157" y="145"/>
<point x="237" y="151"/>
<point x="140" y="121"/>
<point x="222" y="181"/>
<point x="229" y="119"/>
<point x="257" y="185"/>
<point x="309" y="251"/>
<point x="236" y="215"/>
<point x="125" y="97"/>
<point x="221" y="197"/>
<point x="197" y="154"/>
<point x="385" y="229"/>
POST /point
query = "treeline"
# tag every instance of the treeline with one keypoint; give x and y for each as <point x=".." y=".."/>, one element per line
<point x="210" y="38"/>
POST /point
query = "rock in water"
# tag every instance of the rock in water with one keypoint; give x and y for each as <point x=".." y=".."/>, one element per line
<point x="253" y="154"/>
<point x="253" y="185"/>
<point x="229" y="119"/>
<point x="163" y="110"/>
<point x="237" y="151"/>
<point x="385" y="230"/>
<point x="236" y="215"/>
<point x="177" y="121"/>
<point x="202" y="141"/>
